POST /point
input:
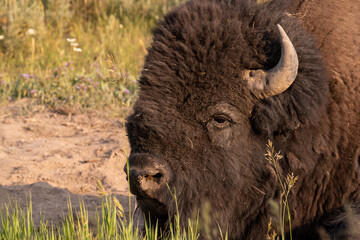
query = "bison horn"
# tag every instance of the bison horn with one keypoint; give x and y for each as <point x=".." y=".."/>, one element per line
<point x="276" y="80"/>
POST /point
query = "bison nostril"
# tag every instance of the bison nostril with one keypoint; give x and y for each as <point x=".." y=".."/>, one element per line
<point x="136" y="175"/>
<point x="158" y="175"/>
<point x="153" y="177"/>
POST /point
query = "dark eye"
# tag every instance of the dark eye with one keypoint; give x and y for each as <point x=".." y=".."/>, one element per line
<point x="220" y="121"/>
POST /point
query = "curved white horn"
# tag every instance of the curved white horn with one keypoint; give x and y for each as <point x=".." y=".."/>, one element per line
<point x="276" y="80"/>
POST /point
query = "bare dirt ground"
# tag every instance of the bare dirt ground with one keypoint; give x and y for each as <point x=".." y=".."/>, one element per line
<point x="57" y="154"/>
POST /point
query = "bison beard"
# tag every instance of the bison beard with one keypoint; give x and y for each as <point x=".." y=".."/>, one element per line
<point x="199" y="127"/>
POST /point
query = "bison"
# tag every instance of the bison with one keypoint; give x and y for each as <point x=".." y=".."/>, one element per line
<point x="221" y="78"/>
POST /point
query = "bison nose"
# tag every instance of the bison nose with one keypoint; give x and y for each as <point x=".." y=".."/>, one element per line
<point x="149" y="174"/>
<point x="145" y="175"/>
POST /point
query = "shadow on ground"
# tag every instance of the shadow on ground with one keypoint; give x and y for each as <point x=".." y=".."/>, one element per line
<point x="51" y="203"/>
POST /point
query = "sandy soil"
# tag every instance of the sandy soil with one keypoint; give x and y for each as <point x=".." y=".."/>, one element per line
<point x="57" y="154"/>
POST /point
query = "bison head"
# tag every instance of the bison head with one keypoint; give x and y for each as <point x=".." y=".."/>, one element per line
<point x="220" y="78"/>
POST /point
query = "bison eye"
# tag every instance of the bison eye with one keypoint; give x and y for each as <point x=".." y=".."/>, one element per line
<point x="221" y="121"/>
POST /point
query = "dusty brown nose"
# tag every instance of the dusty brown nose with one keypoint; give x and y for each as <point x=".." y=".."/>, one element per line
<point x="145" y="174"/>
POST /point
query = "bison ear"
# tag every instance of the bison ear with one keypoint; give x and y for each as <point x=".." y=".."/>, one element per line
<point x="270" y="117"/>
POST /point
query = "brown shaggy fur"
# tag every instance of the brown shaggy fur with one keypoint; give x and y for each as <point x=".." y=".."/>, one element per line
<point x="192" y="74"/>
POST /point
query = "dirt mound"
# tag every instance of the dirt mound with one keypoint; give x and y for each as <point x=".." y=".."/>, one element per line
<point x="60" y="154"/>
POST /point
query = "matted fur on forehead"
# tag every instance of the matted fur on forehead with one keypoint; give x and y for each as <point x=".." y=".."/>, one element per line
<point x="207" y="43"/>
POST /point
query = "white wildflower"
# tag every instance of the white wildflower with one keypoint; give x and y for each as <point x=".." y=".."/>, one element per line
<point x="121" y="26"/>
<point x="77" y="49"/>
<point x="31" y="32"/>
<point x="2" y="37"/>
<point x="71" y="40"/>
<point x="74" y="44"/>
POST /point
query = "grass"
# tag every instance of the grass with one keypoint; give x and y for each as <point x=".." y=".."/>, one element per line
<point x="111" y="223"/>
<point x="81" y="52"/>
<point x="280" y="209"/>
